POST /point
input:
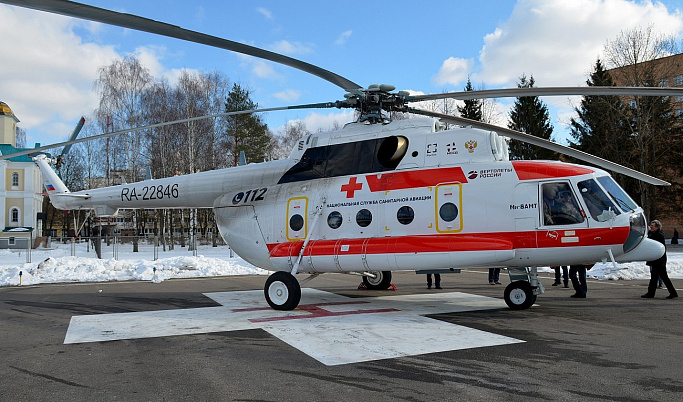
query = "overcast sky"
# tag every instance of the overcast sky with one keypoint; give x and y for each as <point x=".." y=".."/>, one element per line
<point x="49" y="63"/>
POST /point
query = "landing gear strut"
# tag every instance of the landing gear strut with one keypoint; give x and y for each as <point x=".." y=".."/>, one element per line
<point x="282" y="291"/>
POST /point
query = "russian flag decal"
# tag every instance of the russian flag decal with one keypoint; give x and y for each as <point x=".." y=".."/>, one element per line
<point x="50" y="187"/>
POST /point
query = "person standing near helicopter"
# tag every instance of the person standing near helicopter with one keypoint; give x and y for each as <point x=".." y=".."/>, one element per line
<point x="658" y="266"/>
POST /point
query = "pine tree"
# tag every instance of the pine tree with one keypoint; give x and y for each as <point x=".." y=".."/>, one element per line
<point x="600" y="128"/>
<point x="472" y="108"/>
<point x="247" y="131"/>
<point x="530" y="116"/>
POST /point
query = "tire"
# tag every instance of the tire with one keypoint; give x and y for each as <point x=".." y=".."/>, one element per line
<point x="381" y="281"/>
<point x="282" y="291"/>
<point x="519" y="295"/>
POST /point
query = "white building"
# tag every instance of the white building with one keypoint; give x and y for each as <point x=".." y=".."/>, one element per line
<point x="20" y="190"/>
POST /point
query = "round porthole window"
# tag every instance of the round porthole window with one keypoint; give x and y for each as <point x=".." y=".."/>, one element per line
<point x="448" y="212"/>
<point x="363" y="218"/>
<point x="405" y="215"/>
<point x="296" y="222"/>
<point x="334" y="219"/>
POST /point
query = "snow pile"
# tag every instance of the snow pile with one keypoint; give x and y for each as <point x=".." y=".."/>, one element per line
<point x="57" y="265"/>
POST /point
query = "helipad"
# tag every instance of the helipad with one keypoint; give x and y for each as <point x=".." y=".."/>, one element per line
<point x="332" y="329"/>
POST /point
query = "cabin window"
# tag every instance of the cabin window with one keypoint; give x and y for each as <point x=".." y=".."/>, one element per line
<point x="334" y="220"/>
<point x="296" y="222"/>
<point x="363" y="218"/>
<point x="376" y="155"/>
<point x="559" y="205"/>
<point x="596" y="200"/>
<point x="405" y="215"/>
<point x="448" y="212"/>
<point x="15" y="179"/>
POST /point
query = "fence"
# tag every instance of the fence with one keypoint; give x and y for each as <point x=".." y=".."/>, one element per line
<point x="143" y="247"/>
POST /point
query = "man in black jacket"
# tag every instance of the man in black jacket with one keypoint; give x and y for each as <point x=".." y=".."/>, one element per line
<point x="658" y="266"/>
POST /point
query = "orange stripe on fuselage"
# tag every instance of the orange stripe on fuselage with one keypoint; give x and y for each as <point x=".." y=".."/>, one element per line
<point x="453" y="242"/>
<point x="415" y="178"/>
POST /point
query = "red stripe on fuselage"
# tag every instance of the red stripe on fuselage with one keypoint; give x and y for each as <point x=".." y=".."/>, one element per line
<point x="415" y="178"/>
<point x="453" y="242"/>
<point x="535" y="170"/>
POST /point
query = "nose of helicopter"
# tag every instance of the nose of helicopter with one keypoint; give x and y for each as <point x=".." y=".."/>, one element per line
<point x="647" y="250"/>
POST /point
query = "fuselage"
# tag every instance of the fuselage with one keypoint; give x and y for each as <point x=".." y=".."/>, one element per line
<point x="401" y="196"/>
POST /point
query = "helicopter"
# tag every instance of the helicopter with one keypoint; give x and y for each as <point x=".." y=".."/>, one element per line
<point x="382" y="195"/>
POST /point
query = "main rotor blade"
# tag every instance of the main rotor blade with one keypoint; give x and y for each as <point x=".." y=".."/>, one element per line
<point x="83" y="11"/>
<point x="550" y="91"/>
<point x="168" y="123"/>
<point x="543" y="143"/>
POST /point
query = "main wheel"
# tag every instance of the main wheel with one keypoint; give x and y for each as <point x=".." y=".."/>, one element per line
<point x="519" y="295"/>
<point x="282" y="291"/>
<point x="381" y="281"/>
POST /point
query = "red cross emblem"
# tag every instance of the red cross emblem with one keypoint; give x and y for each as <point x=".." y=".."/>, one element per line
<point x="351" y="187"/>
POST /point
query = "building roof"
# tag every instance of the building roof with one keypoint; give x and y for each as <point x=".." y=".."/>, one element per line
<point x="6" y="149"/>
<point x="6" y="111"/>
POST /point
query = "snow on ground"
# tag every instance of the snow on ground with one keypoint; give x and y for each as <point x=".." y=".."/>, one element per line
<point x="58" y="265"/>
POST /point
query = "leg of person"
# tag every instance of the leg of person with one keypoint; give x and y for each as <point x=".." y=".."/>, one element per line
<point x="491" y="279"/>
<point x="582" y="280"/>
<point x="652" y="286"/>
<point x="565" y="276"/>
<point x="437" y="281"/>
<point x="496" y="276"/>
<point x="575" y="281"/>
<point x="557" y="276"/>
<point x="664" y="276"/>
<point x="429" y="281"/>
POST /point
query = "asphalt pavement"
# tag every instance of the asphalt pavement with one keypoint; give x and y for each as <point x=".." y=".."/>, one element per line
<point x="612" y="345"/>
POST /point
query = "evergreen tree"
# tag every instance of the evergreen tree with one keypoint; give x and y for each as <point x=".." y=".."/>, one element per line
<point x="600" y="128"/>
<point x="247" y="131"/>
<point x="472" y="108"/>
<point x="530" y="116"/>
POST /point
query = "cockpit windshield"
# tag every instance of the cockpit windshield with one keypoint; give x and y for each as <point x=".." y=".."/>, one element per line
<point x="617" y="194"/>
<point x="600" y="206"/>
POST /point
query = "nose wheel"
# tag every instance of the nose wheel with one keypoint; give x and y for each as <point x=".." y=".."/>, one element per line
<point x="519" y="295"/>
<point x="282" y="291"/>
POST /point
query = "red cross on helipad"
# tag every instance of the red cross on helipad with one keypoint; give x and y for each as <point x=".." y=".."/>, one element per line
<point x="351" y="187"/>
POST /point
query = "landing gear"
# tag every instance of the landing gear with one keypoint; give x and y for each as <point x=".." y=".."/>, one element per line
<point x="519" y="295"/>
<point x="381" y="281"/>
<point x="282" y="291"/>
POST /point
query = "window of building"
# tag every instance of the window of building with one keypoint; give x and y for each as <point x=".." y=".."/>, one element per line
<point x="678" y="80"/>
<point x="15" y="179"/>
<point x="14" y="215"/>
<point x="632" y="104"/>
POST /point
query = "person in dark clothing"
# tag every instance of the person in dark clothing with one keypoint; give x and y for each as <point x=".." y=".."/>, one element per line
<point x="494" y="276"/>
<point x="674" y="239"/>
<point x="658" y="266"/>
<point x="558" y="277"/>
<point x="437" y="281"/>
<point x="577" y="273"/>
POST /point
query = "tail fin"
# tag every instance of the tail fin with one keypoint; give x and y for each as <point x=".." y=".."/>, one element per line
<point x="53" y="184"/>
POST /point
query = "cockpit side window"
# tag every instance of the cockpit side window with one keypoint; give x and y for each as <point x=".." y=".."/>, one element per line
<point x="559" y="205"/>
<point x="598" y="203"/>
<point x="617" y="193"/>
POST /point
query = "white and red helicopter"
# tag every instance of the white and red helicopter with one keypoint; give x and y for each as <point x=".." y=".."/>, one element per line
<point x="379" y="195"/>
